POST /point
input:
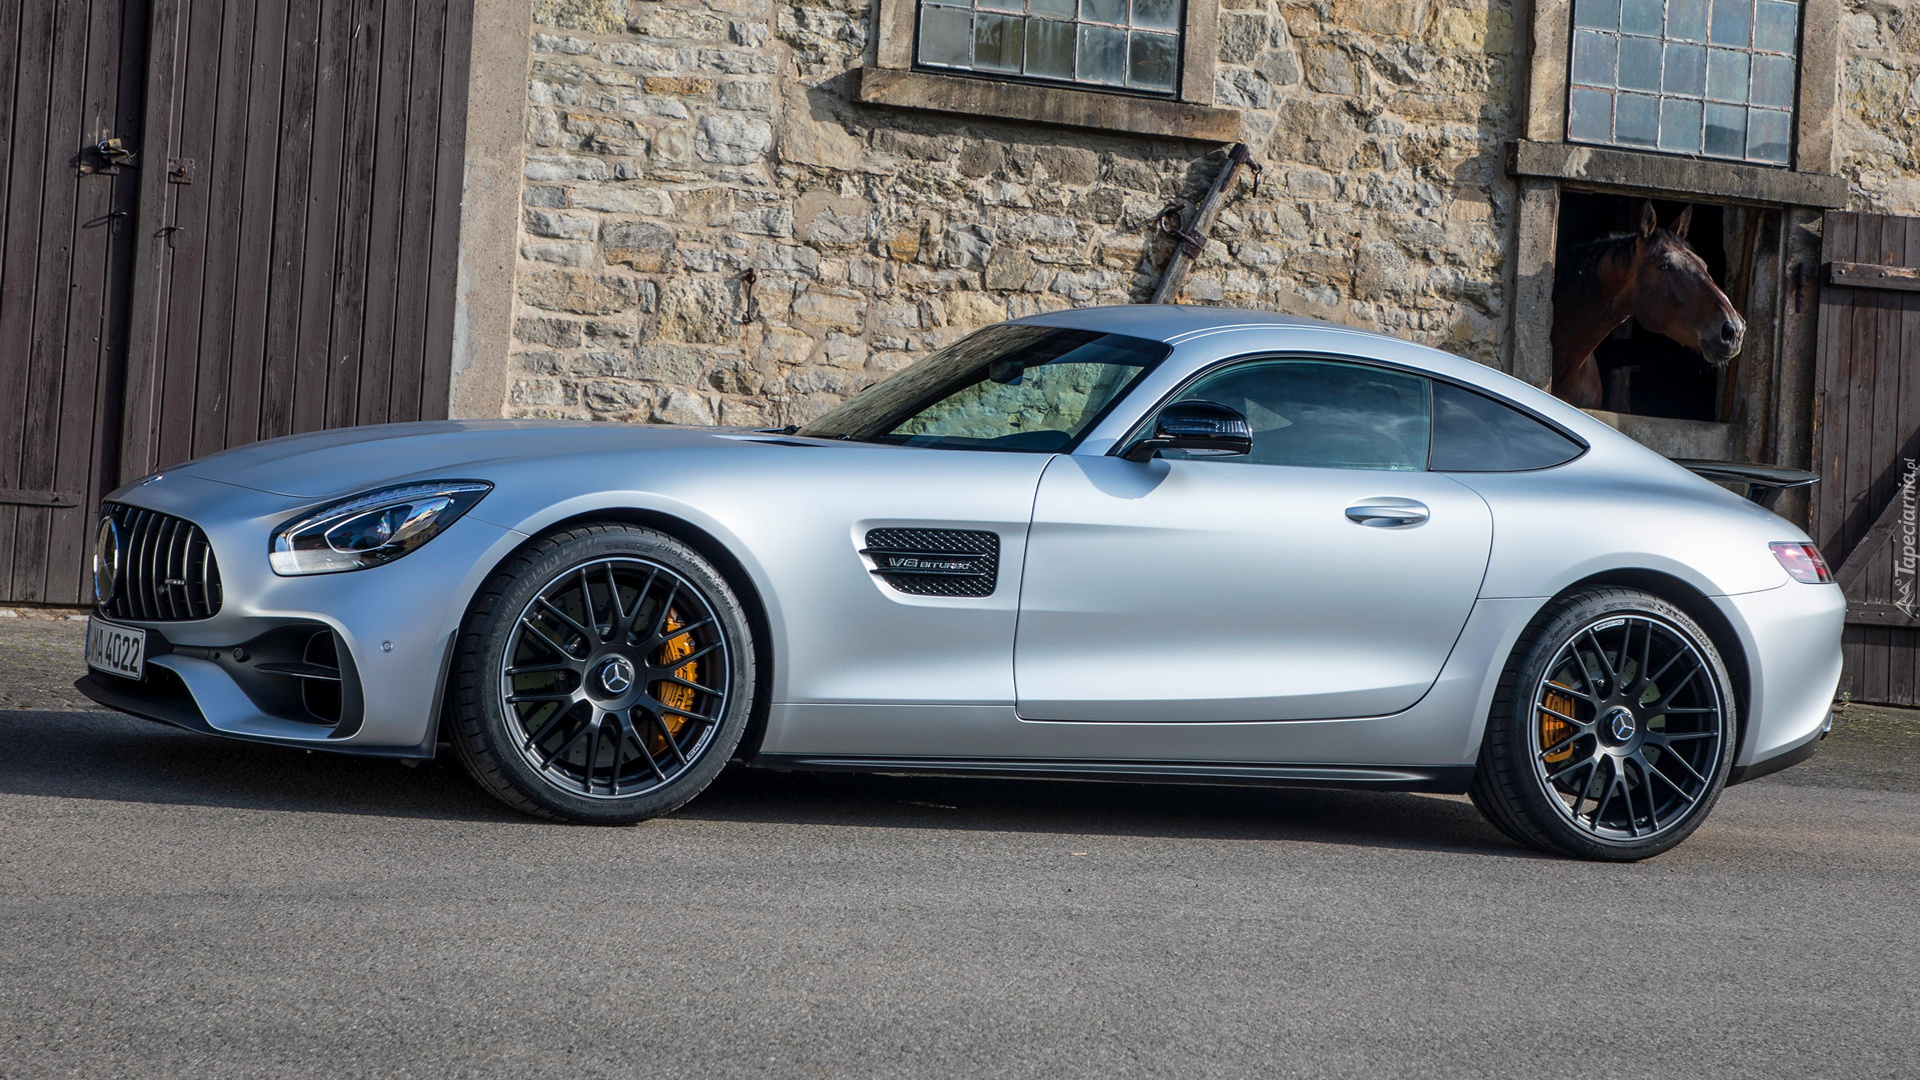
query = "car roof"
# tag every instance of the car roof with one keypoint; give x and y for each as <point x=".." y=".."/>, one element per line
<point x="1171" y="322"/>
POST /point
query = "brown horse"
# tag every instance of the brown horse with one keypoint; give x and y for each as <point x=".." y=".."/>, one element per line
<point x="1650" y="275"/>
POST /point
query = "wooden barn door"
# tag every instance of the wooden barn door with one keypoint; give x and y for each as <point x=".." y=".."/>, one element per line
<point x="1866" y="446"/>
<point x="268" y="248"/>
<point x="70" y="80"/>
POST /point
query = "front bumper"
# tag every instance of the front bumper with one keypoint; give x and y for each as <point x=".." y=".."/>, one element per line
<point x="391" y="629"/>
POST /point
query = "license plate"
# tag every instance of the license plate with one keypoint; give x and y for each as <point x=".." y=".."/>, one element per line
<point x="120" y="650"/>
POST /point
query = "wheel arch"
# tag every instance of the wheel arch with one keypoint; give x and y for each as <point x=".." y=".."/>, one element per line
<point x="1683" y="595"/>
<point x="713" y="550"/>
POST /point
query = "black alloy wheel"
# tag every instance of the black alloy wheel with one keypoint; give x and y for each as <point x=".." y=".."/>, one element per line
<point x="1613" y="732"/>
<point x="607" y="678"/>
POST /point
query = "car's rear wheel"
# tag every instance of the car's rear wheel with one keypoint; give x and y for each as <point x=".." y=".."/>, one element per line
<point x="605" y="676"/>
<point x="1613" y="730"/>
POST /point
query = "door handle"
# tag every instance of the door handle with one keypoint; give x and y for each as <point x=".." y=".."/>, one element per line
<point x="1388" y="514"/>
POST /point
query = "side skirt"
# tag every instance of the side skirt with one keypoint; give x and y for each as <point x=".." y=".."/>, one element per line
<point x="1449" y="780"/>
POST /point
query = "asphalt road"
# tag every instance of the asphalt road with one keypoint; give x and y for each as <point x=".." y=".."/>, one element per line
<point x="175" y="905"/>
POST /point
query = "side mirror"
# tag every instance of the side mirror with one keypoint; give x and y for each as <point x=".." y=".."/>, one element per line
<point x="1204" y="427"/>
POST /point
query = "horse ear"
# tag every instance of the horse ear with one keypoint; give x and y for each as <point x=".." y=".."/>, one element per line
<point x="1679" y="227"/>
<point x="1649" y="220"/>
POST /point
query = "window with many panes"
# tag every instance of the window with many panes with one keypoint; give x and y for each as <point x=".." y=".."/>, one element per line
<point x="1128" y="45"/>
<point x="1713" y="78"/>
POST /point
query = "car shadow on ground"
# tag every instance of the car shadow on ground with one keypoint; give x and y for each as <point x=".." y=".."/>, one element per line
<point x="108" y="756"/>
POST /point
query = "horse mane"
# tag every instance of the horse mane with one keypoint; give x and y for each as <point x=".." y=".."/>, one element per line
<point x="1582" y="264"/>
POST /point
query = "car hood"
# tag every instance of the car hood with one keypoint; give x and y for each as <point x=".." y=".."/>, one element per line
<point x="347" y="460"/>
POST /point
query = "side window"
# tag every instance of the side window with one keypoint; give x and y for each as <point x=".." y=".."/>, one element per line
<point x="1474" y="433"/>
<point x="1324" y="414"/>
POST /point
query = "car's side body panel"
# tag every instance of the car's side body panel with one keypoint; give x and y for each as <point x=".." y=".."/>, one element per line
<point x="1196" y="590"/>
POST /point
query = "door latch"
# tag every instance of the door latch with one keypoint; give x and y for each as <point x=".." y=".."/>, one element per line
<point x="105" y="158"/>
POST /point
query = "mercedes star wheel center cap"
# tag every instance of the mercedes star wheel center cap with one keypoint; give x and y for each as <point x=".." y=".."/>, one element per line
<point x="616" y="675"/>
<point x="1620" y="724"/>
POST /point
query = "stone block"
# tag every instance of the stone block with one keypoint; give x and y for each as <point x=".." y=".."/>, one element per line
<point x="639" y="244"/>
<point x="625" y="199"/>
<point x="604" y="395"/>
<point x="645" y="57"/>
<point x="767" y="221"/>
<point x="560" y="252"/>
<point x="528" y="392"/>
<point x="732" y="140"/>
<point x="829" y="309"/>
<point x="556" y="225"/>
<point x="697" y="310"/>
<point x="592" y="16"/>
<point x="682" y="407"/>
<point x="970" y="309"/>
<point x="566" y="168"/>
<point x="1009" y="268"/>
<point x="556" y="333"/>
<point x="746" y="95"/>
<point x="676" y="24"/>
<point x="683" y="85"/>
<point x="578" y="292"/>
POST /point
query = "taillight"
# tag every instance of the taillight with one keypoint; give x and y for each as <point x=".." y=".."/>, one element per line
<point x="1802" y="562"/>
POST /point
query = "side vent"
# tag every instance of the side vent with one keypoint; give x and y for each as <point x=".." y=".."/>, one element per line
<point x="935" y="562"/>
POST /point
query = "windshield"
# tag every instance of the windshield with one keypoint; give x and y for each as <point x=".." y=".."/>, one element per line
<point x="1026" y="388"/>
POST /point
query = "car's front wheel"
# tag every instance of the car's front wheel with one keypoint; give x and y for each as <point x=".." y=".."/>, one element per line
<point x="1613" y="730"/>
<point x="605" y="675"/>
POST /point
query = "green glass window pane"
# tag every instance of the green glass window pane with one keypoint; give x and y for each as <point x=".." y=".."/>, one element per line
<point x="1597" y="14"/>
<point x="1156" y="14"/>
<point x="1107" y="11"/>
<point x="1059" y="9"/>
<point x="1050" y="49"/>
<point x="945" y="34"/>
<point x="1732" y="22"/>
<point x="997" y="41"/>
<point x="1643" y="17"/>
<point x="1686" y="70"/>
<point x="1687" y="20"/>
<point x="1636" y="120"/>
<point x="1726" y="131"/>
<point x="1727" y="75"/>
<point x="1590" y="116"/>
<point x="1776" y="26"/>
<point x="1768" y="135"/>
<point x="1680" y="126"/>
<point x="1773" y="81"/>
<point x="1594" y="58"/>
<point x="1639" y="63"/>
<point x="1102" y="55"/>
<point x="1151" y="63"/>
<point x="1015" y="6"/>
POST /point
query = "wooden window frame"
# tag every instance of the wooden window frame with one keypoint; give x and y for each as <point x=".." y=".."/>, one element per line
<point x="889" y="78"/>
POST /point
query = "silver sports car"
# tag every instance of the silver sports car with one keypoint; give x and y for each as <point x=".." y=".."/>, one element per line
<point x="1142" y="543"/>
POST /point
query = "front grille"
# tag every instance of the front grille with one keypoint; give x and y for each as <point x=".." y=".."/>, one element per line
<point x="167" y="569"/>
<point x="936" y="562"/>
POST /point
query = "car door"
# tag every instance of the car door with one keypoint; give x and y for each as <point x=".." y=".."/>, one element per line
<point x="1326" y="574"/>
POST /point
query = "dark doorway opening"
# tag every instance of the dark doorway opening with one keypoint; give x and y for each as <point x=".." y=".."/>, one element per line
<point x="1645" y="373"/>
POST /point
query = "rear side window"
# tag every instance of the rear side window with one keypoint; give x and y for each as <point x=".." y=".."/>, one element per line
<point x="1474" y="433"/>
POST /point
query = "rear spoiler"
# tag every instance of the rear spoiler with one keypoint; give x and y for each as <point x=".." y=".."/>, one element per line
<point x="1763" y="483"/>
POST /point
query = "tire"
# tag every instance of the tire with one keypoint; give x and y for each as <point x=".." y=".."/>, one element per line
<point x="1612" y="731"/>
<point x="604" y="675"/>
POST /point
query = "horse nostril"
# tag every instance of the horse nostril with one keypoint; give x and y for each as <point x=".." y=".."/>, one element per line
<point x="1730" y="331"/>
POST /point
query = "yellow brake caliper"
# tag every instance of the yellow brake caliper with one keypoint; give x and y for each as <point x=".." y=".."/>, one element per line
<point x="1552" y="728"/>
<point x="671" y="695"/>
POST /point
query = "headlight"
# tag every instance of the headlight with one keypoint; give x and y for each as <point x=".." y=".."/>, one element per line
<point x="371" y="529"/>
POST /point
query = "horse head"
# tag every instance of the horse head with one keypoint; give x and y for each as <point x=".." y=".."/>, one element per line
<point x="1671" y="292"/>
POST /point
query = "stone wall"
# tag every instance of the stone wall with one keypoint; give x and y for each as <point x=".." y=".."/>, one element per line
<point x="1879" y="129"/>
<point x="712" y="232"/>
